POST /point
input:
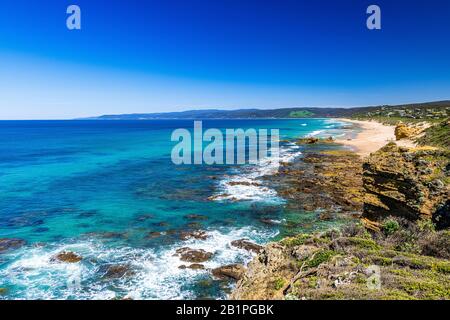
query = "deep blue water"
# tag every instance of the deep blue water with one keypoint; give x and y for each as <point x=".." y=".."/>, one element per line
<point x="98" y="188"/>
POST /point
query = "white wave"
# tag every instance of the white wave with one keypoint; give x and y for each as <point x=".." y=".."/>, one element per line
<point x="156" y="271"/>
<point x="245" y="184"/>
<point x="315" y="133"/>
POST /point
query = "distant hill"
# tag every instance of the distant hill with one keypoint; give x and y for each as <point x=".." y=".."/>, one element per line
<point x="437" y="109"/>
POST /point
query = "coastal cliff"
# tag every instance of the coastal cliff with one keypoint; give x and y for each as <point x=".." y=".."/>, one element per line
<point x="399" y="249"/>
<point x="409" y="183"/>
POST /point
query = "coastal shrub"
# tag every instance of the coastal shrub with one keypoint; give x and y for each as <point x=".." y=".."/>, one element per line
<point x="320" y="257"/>
<point x="390" y="226"/>
<point x="355" y="230"/>
<point x="364" y="243"/>
<point x="442" y="267"/>
<point x="436" y="244"/>
<point x="279" y="283"/>
<point x="426" y="225"/>
<point x="405" y="238"/>
<point x="298" y="240"/>
<point x="427" y="289"/>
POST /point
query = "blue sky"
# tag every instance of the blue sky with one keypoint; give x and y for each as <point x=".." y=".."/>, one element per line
<point x="156" y="56"/>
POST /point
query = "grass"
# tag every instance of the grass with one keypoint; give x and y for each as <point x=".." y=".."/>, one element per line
<point x="437" y="135"/>
<point x="279" y="283"/>
<point x="301" y="114"/>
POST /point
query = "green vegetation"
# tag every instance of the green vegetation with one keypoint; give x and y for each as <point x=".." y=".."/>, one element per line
<point x="430" y="111"/>
<point x="412" y="113"/>
<point x="301" y="114"/>
<point x="296" y="241"/>
<point x="279" y="283"/>
<point x="320" y="257"/>
<point x="405" y="275"/>
<point x="437" y="135"/>
<point x="390" y="226"/>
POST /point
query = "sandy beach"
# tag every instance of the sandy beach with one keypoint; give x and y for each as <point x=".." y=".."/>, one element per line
<point x="373" y="136"/>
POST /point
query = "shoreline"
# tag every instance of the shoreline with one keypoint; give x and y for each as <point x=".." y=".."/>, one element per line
<point x="373" y="136"/>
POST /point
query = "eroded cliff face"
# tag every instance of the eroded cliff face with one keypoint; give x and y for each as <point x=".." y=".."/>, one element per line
<point x="403" y="182"/>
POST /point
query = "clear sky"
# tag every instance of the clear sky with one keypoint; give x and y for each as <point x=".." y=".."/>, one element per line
<point x="169" y="55"/>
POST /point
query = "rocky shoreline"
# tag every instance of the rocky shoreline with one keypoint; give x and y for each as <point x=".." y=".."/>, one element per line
<point x="395" y="212"/>
<point x="398" y="249"/>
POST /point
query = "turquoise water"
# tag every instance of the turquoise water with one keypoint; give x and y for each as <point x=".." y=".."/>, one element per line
<point x="98" y="188"/>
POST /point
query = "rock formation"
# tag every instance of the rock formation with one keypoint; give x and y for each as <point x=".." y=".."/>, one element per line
<point x="410" y="183"/>
<point x="402" y="131"/>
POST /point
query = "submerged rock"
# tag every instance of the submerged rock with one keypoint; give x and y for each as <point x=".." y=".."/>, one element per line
<point x="194" y="266"/>
<point x="153" y="235"/>
<point x="193" y="255"/>
<point x="161" y="224"/>
<point x="116" y="271"/>
<point x="243" y="183"/>
<point x="196" y="234"/>
<point x="195" y="217"/>
<point x="233" y="271"/>
<point x="67" y="257"/>
<point x="246" y="245"/>
<point x="269" y="221"/>
<point x="8" y="244"/>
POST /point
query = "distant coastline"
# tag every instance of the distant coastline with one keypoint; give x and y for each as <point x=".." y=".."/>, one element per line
<point x="433" y="109"/>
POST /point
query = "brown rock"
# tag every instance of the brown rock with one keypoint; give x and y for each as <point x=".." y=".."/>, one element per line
<point x="194" y="266"/>
<point x="403" y="184"/>
<point x="67" y="257"/>
<point x="196" y="234"/>
<point x="3" y="291"/>
<point x="243" y="183"/>
<point x="116" y="271"/>
<point x="193" y="255"/>
<point x="233" y="271"/>
<point x="246" y="245"/>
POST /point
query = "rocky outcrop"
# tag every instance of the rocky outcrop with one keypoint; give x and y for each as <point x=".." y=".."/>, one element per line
<point x="116" y="271"/>
<point x="193" y="255"/>
<point x="67" y="257"/>
<point x="328" y="180"/>
<point x="233" y="271"/>
<point x="410" y="183"/>
<point x="194" y="266"/>
<point x="402" y="131"/>
<point x="246" y="245"/>
<point x="274" y="262"/>
<point x="196" y="234"/>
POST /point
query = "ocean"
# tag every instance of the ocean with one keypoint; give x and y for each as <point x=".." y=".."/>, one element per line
<point x="109" y="192"/>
